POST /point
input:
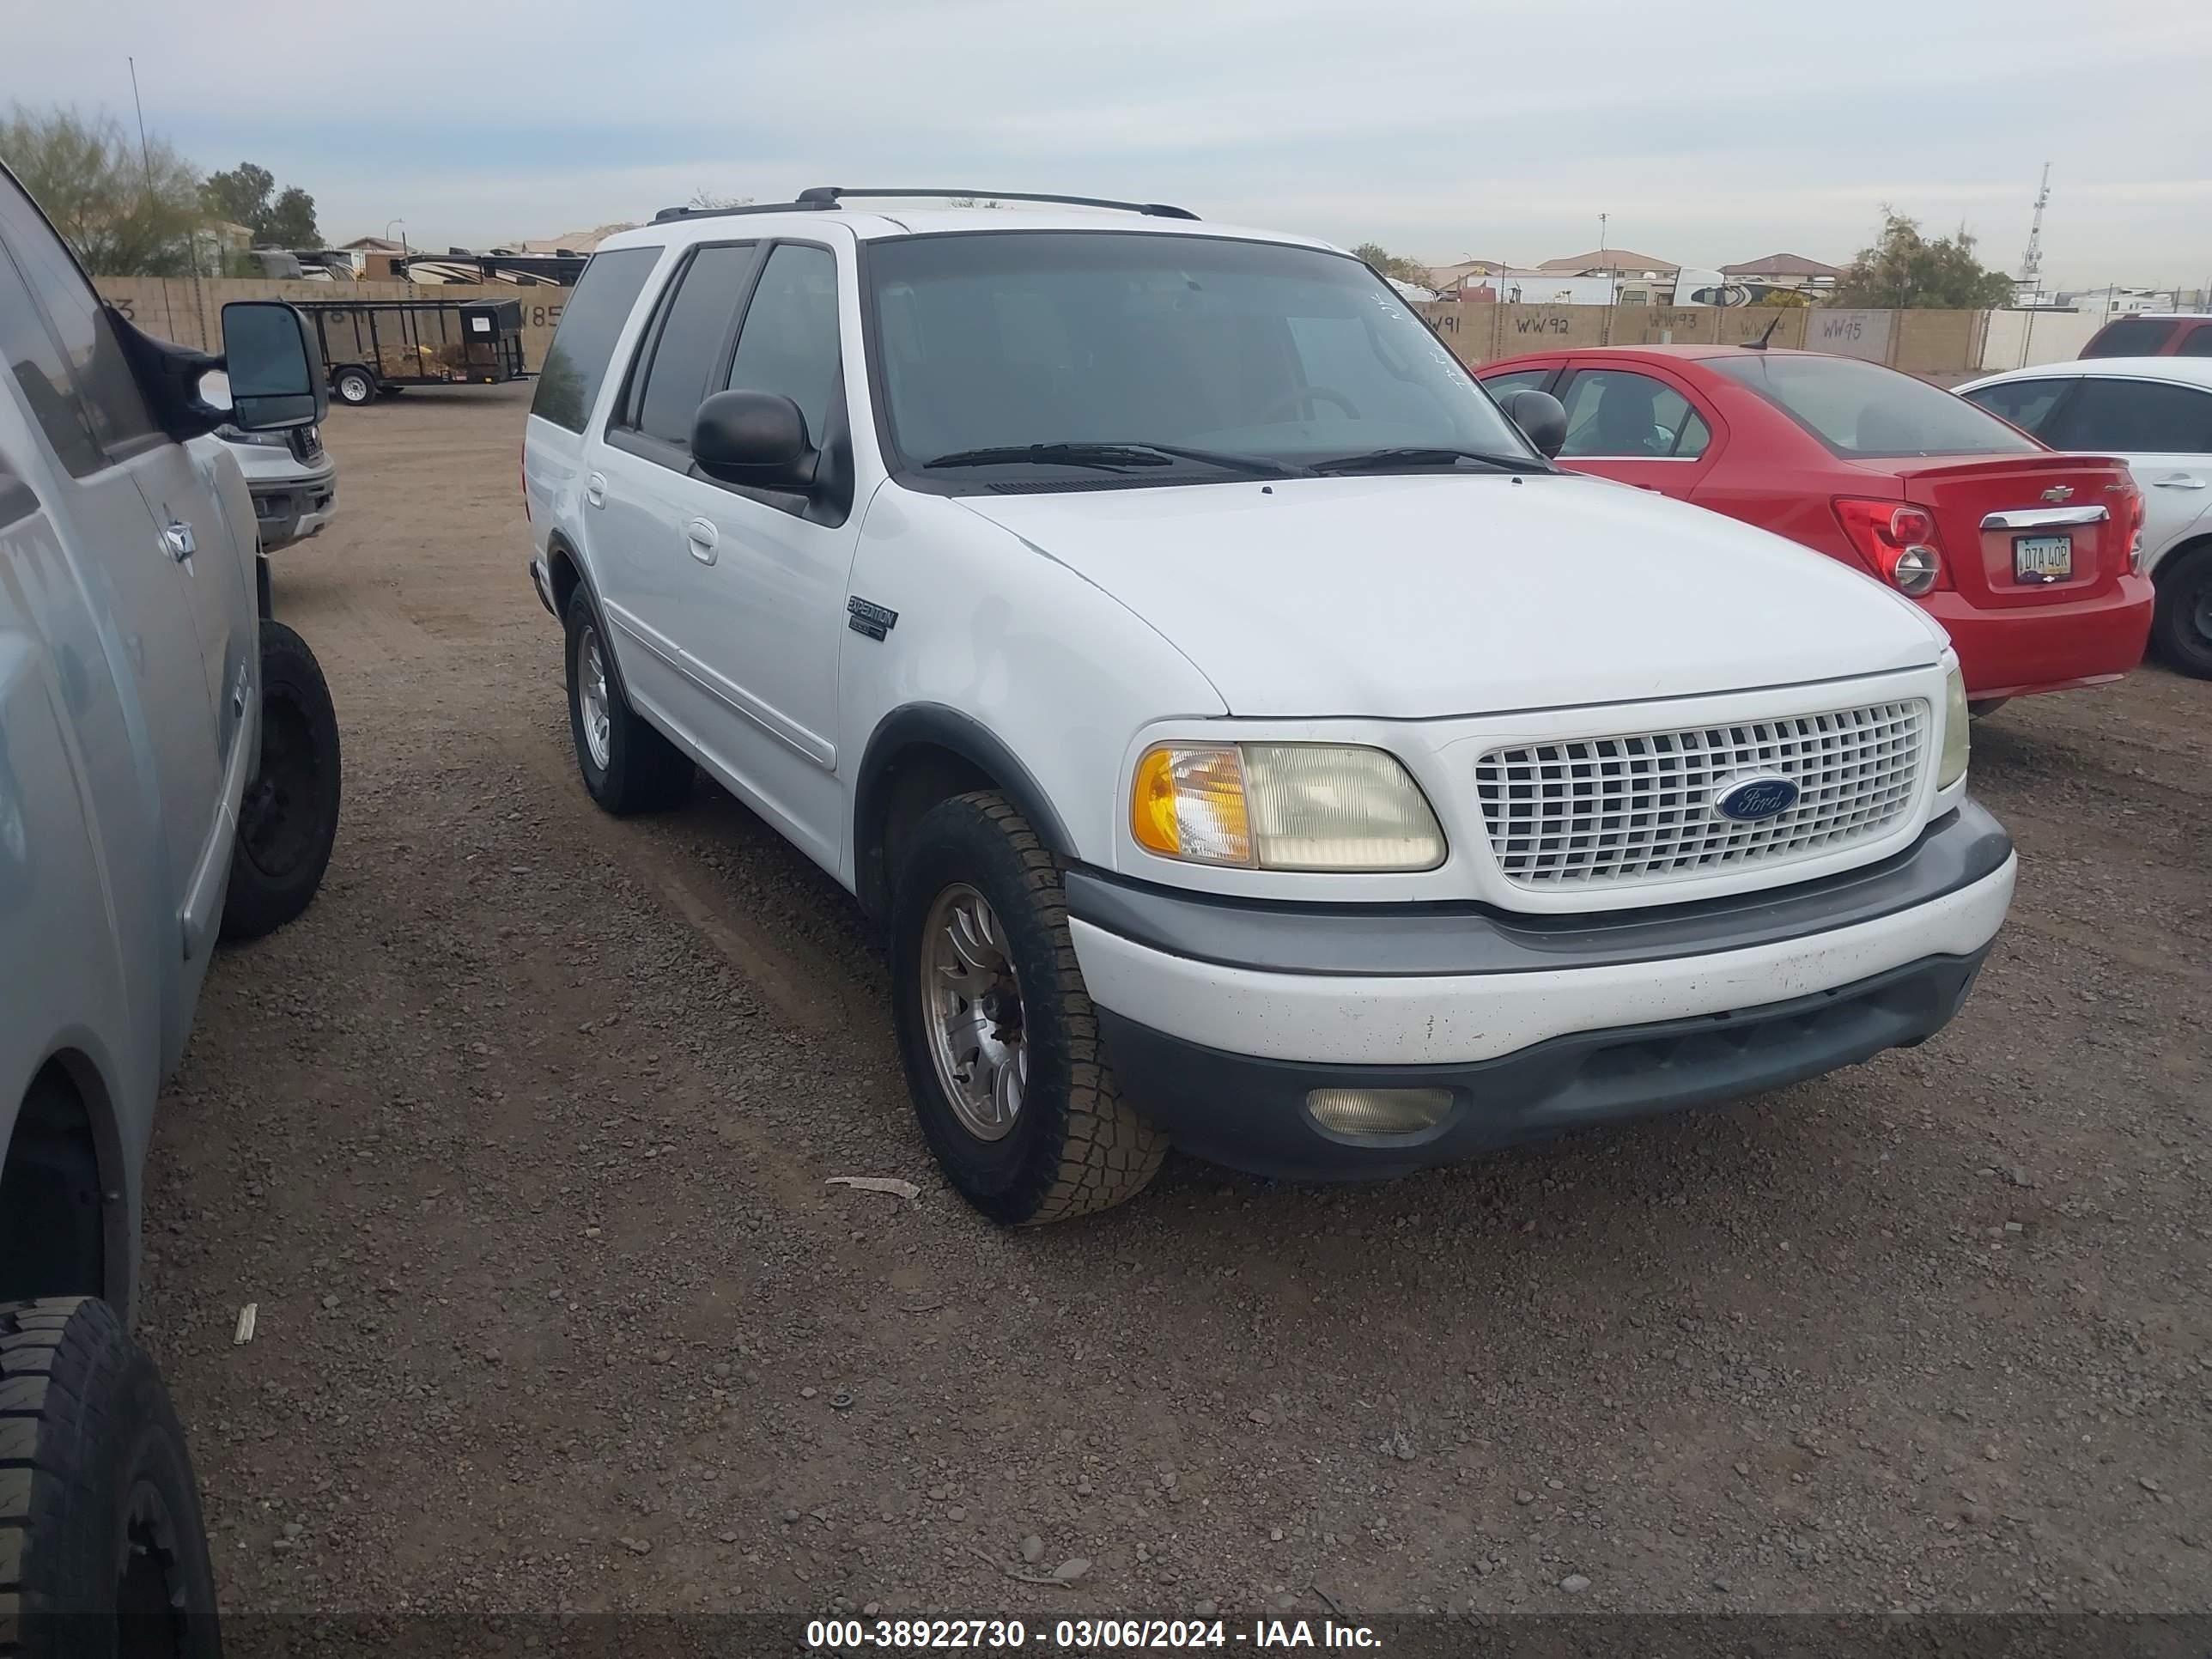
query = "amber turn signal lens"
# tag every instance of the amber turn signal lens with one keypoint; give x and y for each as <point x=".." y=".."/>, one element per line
<point x="1189" y="803"/>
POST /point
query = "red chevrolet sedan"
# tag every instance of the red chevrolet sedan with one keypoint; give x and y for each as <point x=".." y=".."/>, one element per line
<point x="2029" y="557"/>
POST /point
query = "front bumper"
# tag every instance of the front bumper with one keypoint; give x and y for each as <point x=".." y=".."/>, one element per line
<point x="2014" y="650"/>
<point x="292" y="511"/>
<point x="1534" y="1025"/>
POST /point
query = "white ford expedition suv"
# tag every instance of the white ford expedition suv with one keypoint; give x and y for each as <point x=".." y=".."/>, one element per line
<point x="1248" y="740"/>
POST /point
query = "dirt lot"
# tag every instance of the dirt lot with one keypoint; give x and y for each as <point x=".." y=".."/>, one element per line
<point x="520" y="1141"/>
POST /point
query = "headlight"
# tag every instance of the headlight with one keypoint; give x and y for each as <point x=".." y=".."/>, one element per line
<point x="1955" y="721"/>
<point x="1283" y="806"/>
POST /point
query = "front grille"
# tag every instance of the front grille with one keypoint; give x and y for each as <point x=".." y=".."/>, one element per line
<point x="307" y="444"/>
<point x="1638" y="808"/>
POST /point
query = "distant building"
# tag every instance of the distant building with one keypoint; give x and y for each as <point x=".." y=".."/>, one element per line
<point x="373" y="245"/>
<point x="570" y="241"/>
<point x="1790" y="270"/>
<point x="1612" y="262"/>
<point x="1450" y="280"/>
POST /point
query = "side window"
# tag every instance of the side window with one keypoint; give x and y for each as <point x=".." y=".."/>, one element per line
<point x="694" y="332"/>
<point x="1499" y="385"/>
<point x="569" y="384"/>
<point x="789" y="341"/>
<point x="2136" y="416"/>
<point x="1614" y="414"/>
<point x="36" y="364"/>
<point x="2198" y="343"/>
<point x="92" y="363"/>
<point x="2027" y="404"/>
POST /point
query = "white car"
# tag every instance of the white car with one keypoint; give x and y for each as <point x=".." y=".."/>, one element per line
<point x="1248" y="739"/>
<point x="2156" y="414"/>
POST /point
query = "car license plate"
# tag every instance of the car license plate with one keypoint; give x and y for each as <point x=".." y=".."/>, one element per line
<point x="2042" y="558"/>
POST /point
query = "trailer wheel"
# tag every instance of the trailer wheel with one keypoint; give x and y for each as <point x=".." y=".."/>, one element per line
<point x="353" y="387"/>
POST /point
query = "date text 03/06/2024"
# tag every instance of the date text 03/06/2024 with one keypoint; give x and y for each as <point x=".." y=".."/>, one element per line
<point x="1084" y="1635"/>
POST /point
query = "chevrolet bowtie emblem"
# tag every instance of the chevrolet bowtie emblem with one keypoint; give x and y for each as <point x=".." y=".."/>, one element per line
<point x="2058" y="493"/>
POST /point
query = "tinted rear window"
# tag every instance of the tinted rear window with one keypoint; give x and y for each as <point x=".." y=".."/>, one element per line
<point x="2136" y="338"/>
<point x="2198" y="343"/>
<point x="597" y="307"/>
<point x="1863" y="410"/>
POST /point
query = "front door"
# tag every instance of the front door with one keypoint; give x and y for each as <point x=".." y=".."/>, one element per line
<point x="68" y="369"/>
<point x="2163" y="431"/>
<point x="766" y="617"/>
<point x="1637" y="427"/>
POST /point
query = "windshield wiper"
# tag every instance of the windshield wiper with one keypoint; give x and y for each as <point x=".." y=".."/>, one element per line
<point x="1374" y="460"/>
<point x="1114" y="456"/>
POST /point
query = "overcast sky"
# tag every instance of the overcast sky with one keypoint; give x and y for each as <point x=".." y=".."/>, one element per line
<point x="1711" y="130"/>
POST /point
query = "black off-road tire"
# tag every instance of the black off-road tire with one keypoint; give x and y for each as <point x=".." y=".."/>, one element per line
<point x="2176" y="631"/>
<point x="353" y="387"/>
<point x="103" y="1551"/>
<point x="289" y="820"/>
<point x="1076" y="1147"/>
<point x="644" y="772"/>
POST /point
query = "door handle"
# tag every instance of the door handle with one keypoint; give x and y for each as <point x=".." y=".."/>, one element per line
<point x="701" y="537"/>
<point x="177" y="540"/>
<point x="595" y="489"/>
<point x="2179" y="481"/>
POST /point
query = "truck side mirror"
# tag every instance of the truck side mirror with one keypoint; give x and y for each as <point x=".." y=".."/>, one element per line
<point x="756" y="438"/>
<point x="1541" y="419"/>
<point x="276" y="368"/>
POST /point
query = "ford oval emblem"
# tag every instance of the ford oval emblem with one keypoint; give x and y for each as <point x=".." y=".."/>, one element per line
<point x="1763" y="795"/>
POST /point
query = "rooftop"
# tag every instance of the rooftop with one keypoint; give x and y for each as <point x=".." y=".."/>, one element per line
<point x="1615" y="260"/>
<point x="1781" y="264"/>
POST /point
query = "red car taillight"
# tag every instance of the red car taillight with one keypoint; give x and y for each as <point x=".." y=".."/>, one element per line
<point x="2134" y="518"/>
<point x="1898" y="543"/>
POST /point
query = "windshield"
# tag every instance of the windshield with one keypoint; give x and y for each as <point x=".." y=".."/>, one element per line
<point x="1266" y="357"/>
<point x="1863" y="410"/>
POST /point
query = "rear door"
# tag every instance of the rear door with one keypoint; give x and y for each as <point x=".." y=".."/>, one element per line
<point x="2163" y="430"/>
<point x="109" y="463"/>
<point x="1639" y="426"/>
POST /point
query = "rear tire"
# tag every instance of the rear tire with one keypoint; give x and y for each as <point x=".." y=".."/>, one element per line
<point x="103" y="1550"/>
<point x="2181" y="627"/>
<point x="1069" y="1145"/>
<point x="353" y="387"/>
<point x="289" y="820"/>
<point x="627" y="765"/>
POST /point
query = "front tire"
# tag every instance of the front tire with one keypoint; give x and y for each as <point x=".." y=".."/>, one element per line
<point x="353" y="387"/>
<point x="103" y="1551"/>
<point x="288" y="821"/>
<point x="2181" y="627"/>
<point x="627" y="765"/>
<point x="995" y="1030"/>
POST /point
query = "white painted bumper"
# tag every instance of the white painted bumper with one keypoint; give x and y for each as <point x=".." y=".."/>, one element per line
<point x="1417" y="1021"/>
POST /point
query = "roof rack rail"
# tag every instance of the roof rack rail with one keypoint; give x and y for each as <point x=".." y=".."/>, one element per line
<point x="829" y="196"/>
<point x="749" y="206"/>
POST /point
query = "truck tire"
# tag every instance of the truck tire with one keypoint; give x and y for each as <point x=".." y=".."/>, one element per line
<point x="289" y="820"/>
<point x="2181" y="627"/>
<point x="353" y="386"/>
<point x="627" y="765"/>
<point x="103" y="1551"/>
<point x="995" y="1030"/>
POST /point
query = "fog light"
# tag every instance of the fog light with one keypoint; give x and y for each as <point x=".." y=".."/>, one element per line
<point x="1378" y="1111"/>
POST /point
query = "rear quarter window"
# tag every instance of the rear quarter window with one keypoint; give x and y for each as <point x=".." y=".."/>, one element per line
<point x="2136" y="337"/>
<point x="569" y="384"/>
<point x="2198" y="343"/>
<point x="1865" y="412"/>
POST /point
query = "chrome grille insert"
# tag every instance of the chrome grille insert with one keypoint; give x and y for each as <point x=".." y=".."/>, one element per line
<point x="1638" y="808"/>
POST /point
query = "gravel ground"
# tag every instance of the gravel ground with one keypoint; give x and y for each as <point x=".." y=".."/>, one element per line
<point x="520" y="1141"/>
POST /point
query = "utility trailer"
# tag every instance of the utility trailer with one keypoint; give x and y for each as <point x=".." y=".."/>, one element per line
<point x="378" y="346"/>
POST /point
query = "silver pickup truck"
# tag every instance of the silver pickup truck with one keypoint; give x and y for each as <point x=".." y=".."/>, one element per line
<point x="168" y="775"/>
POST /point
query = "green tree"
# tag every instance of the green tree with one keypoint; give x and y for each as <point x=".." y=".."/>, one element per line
<point x="1906" y="271"/>
<point x="1393" y="264"/>
<point x="127" y="212"/>
<point x="247" y="195"/>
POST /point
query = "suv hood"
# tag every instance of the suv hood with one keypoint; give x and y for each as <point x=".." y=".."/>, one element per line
<point x="1412" y="596"/>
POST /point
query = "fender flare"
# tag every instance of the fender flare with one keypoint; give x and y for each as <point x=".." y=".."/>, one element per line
<point x="942" y="727"/>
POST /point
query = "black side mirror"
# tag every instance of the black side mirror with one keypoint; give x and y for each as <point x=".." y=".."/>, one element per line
<point x="756" y="438"/>
<point x="1541" y="419"/>
<point x="275" y="365"/>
